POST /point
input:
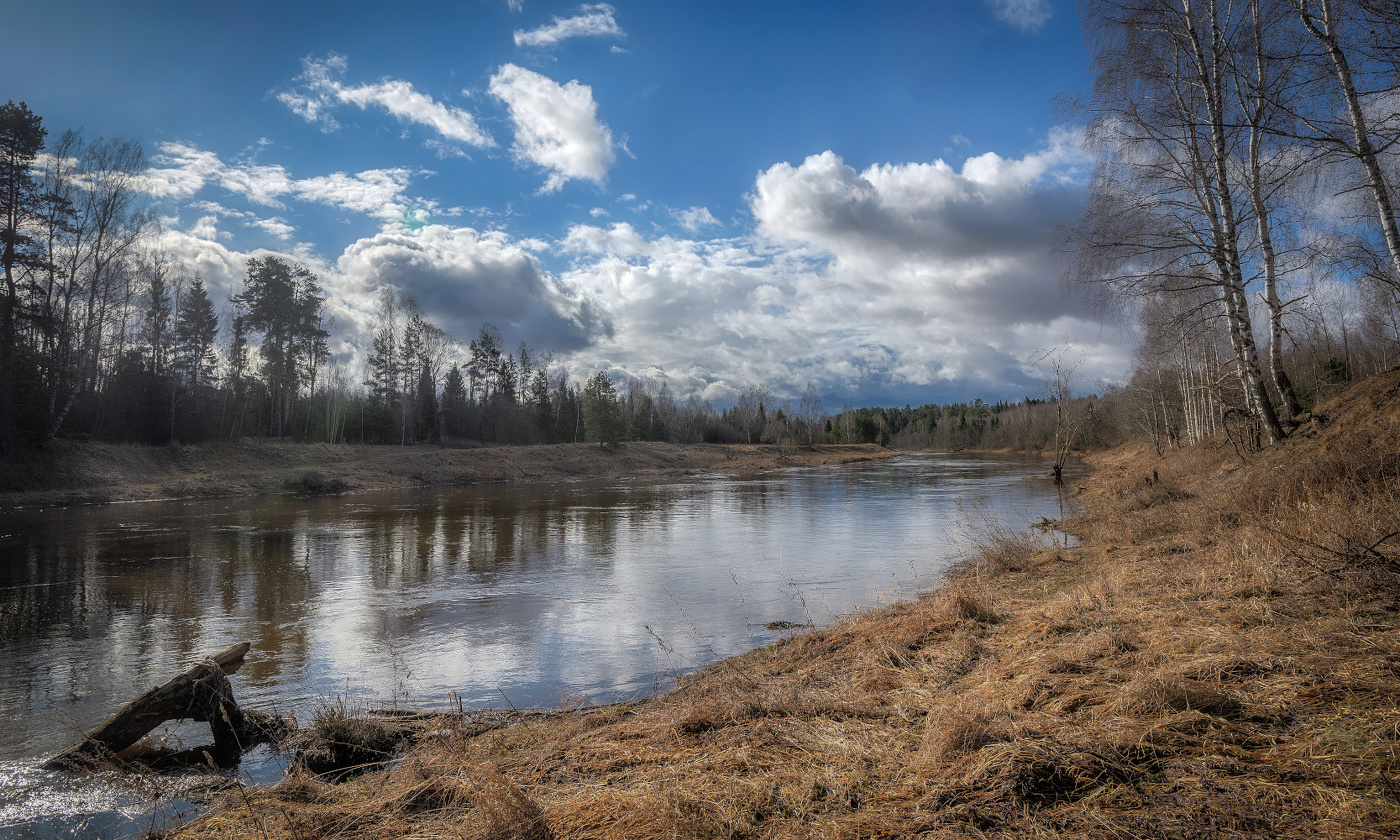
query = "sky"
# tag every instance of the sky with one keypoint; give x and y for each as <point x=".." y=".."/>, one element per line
<point x="713" y="194"/>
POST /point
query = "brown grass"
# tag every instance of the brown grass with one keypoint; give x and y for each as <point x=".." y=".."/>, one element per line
<point x="1220" y="659"/>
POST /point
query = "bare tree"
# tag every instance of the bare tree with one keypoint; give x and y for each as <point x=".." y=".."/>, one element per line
<point x="1356" y="68"/>
<point x="810" y="411"/>
<point x="1259" y="82"/>
<point x="1163" y="212"/>
<point x="1063" y="362"/>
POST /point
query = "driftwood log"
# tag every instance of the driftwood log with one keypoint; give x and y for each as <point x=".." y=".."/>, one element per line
<point x="202" y="693"/>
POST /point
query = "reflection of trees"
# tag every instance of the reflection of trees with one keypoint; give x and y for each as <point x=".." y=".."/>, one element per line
<point x="266" y="585"/>
<point x="756" y="497"/>
<point x="92" y="608"/>
<point x="112" y="607"/>
<point x="116" y="605"/>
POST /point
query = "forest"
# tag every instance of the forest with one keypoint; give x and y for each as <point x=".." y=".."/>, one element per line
<point x="105" y="337"/>
<point x="1240" y="213"/>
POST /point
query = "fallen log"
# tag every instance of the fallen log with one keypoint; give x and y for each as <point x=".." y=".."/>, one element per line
<point x="201" y="693"/>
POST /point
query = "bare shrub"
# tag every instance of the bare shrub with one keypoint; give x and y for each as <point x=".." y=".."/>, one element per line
<point x="992" y="546"/>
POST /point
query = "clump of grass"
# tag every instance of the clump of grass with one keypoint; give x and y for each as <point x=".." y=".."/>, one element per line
<point x="1154" y="491"/>
<point x="955" y="604"/>
<point x="954" y="730"/>
<point x="343" y="740"/>
<point x="993" y="547"/>
<point x="1156" y="694"/>
<point x="313" y="483"/>
<point x="492" y="804"/>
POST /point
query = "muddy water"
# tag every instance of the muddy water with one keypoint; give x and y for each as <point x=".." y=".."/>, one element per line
<point x="488" y="595"/>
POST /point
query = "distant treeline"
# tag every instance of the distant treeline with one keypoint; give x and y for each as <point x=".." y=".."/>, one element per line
<point x="1025" y="426"/>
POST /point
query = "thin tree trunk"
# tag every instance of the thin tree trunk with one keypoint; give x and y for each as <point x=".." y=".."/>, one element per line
<point x="1324" y="30"/>
<point x="1220" y="208"/>
<point x="1282" y="383"/>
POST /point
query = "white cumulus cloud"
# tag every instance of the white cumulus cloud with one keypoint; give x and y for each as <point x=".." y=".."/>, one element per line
<point x="892" y="211"/>
<point x="1025" y="15"/>
<point x="556" y="126"/>
<point x="904" y="282"/>
<point x="181" y="170"/>
<point x="592" y="21"/>
<point x="695" y="219"/>
<point x="274" y="226"/>
<point x="320" y="89"/>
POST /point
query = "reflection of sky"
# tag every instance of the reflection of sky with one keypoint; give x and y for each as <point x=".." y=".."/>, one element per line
<point x="500" y="594"/>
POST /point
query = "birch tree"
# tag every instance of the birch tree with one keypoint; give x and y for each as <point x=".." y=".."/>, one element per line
<point x="1260" y="80"/>
<point x="1349" y="109"/>
<point x="810" y="411"/>
<point x="1164" y="209"/>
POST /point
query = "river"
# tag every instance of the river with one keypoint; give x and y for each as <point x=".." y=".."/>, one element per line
<point x="489" y="596"/>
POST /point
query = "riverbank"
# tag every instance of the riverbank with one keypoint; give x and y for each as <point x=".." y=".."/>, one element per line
<point x="93" y="473"/>
<point x="1220" y="658"/>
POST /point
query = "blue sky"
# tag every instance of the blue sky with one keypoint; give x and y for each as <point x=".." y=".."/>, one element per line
<point x="718" y="194"/>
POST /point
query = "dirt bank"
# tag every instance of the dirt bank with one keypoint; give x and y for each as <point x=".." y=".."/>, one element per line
<point x="1220" y="659"/>
<point x="91" y="473"/>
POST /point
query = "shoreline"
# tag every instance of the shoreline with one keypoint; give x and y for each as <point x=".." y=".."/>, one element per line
<point x="1220" y="657"/>
<point x="93" y="473"/>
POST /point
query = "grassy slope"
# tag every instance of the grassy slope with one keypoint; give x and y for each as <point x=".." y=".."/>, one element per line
<point x="87" y="473"/>
<point x="1219" y="659"/>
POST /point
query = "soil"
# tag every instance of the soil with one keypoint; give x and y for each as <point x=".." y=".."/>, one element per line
<point x="91" y="473"/>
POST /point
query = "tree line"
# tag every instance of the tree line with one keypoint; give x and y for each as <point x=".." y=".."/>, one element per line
<point x="103" y="336"/>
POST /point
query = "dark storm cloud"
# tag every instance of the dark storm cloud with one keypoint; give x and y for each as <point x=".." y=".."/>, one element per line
<point x="464" y="278"/>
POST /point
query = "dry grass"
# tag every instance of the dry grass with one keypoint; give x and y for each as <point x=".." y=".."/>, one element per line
<point x="343" y="740"/>
<point x="1220" y="659"/>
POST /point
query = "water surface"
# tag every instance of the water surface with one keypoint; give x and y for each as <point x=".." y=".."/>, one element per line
<point x="491" y="595"/>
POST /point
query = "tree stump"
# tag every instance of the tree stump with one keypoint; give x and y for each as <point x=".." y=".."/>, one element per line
<point x="201" y="693"/>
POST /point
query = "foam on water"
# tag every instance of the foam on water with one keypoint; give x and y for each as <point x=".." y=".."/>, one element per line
<point x="37" y="804"/>
<point x="46" y="803"/>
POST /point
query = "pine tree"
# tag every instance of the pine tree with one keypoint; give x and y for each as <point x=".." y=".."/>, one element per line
<point x="21" y="137"/>
<point x="454" y="404"/>
<point x="156" y="332"/>
<point x="283" y="302"/>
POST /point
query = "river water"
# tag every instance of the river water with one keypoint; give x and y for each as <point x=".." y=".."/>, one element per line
<point x="490" y="595"/>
